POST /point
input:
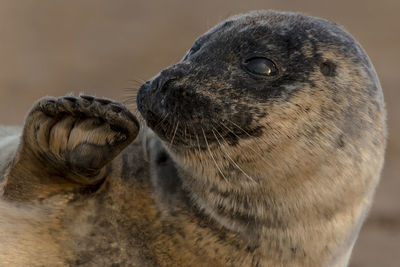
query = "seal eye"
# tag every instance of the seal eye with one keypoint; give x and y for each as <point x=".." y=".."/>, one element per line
<point x="261" y="66"/>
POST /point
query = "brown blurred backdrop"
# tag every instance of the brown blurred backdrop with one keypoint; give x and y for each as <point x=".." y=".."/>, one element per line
<point x="54" y="47"/>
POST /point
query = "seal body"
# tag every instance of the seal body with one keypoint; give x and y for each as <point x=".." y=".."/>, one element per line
<point x="264" y="148"/>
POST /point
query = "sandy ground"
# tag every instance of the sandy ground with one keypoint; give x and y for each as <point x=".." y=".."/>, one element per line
<point x="53" y="47"/>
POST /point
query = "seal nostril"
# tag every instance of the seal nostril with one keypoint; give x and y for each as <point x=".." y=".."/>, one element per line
<point x="166" y="84"/>
<point x="161" y="83"/>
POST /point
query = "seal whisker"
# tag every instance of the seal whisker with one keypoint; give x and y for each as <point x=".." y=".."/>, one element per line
<point x="226" y="153"/>
<point x="170" y="132"/>
<point x="130" y="93"/>
<point x="184" y="131"/>
<point x="240" y="128"/>
<point x="246" y="132"/>
<point x="162" y="120"/>
<point x="215" y="162"/>
<point x="139" y="81"/>
<point x="188" y="138"/>
<point x="252" y="149"/>
<point x="199" y="149"/>
<point x="173" y="136"/>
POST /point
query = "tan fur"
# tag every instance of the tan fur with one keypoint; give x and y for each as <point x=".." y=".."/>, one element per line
<point x="31" y="236"/>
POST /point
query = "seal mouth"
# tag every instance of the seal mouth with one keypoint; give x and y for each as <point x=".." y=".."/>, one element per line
<point x="179" y="134"/>
<point x="199" y="136"/>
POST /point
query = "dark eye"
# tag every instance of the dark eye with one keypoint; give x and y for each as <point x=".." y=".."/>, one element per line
<point x="261" y="66"/>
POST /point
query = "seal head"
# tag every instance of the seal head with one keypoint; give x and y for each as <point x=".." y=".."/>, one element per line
<point x="248" y="69"/>
<point x="276" y="123"/>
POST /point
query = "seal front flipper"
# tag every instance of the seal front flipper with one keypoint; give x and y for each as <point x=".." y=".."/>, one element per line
<point x="67" y="143"/>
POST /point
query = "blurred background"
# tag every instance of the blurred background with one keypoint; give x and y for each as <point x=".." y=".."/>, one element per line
<point x="108" y="48"/>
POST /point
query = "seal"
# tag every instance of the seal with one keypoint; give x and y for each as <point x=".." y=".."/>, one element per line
<point x="261" y="147"/>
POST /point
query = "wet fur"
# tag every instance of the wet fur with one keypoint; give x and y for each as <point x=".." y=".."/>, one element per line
<point x="279" y="173"/>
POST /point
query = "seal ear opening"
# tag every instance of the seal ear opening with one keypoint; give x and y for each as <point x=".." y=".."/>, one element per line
<point x="328" y="68"/>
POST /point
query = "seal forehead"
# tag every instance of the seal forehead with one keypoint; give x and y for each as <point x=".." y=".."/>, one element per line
<point x="283" y="22"/>
<point x="302" y="28"/>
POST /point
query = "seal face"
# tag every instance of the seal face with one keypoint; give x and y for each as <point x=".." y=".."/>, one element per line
<point x="221" y="82"/>
<point x="276" y="123"/>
